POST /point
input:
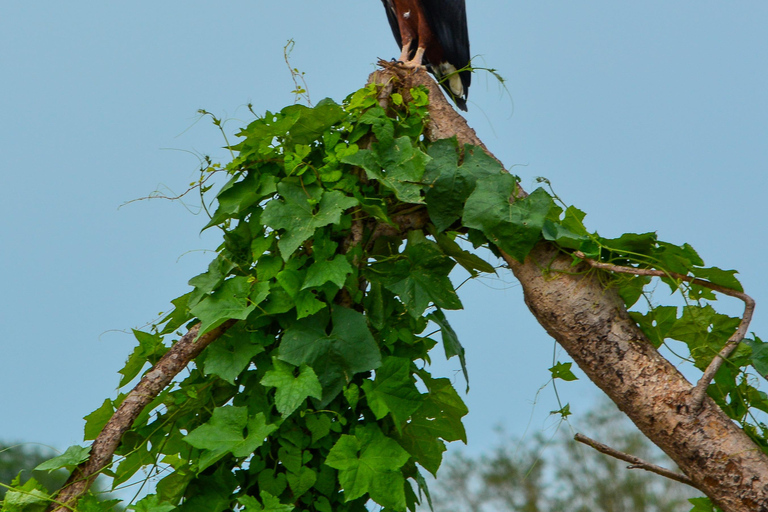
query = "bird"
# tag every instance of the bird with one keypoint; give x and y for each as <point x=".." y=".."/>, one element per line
<point x="433" y="33"/>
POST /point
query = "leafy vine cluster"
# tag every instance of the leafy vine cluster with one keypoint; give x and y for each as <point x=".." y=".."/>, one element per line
<point x="312" y="390"/>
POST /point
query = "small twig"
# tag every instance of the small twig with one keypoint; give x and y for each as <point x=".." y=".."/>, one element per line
<point x="700" y="390"/>
<point x="634" y="461"/>
<point x="151" y="384"/>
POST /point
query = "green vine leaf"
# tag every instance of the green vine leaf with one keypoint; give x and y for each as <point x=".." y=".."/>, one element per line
<point x="563" y="371"/>
<point x="301" y="211"/>
<point x="228" y="356"/>
<point x="29" y="497"/>
<point x="334" y="271"/>
<point x="514" y="227"/>
<point x="451" y="342"/>
<point x="368" y="462"/>
<point x="151" y="503"/>
<point x="704" y="330"/>
<point x="224" y="433"/>
<point x="292" y="390"/>
<point x="393" y="391"/>
<point x="271" y="504"/>
<point x="420" y="276"/>
<point x="236" y="298"/>
<point x="72" y="456"/>
<point x="349" y="348"/>
<point x="398" y="165"/>
<point x="450" y="184"/>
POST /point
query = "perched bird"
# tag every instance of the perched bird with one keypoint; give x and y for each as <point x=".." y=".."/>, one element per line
<point x="433" y="33"/>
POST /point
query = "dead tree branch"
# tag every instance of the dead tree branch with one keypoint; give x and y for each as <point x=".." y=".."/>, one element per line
<point x="635" y="462"/>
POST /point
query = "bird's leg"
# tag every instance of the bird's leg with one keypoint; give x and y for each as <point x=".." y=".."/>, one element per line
<point x="418" y="58"/>
<point x="406" y="51"/>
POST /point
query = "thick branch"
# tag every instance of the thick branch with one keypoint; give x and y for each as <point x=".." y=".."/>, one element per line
<point x="635" y="462"/>
<point x="151" y="384"/>
<point x="592" y="325"/>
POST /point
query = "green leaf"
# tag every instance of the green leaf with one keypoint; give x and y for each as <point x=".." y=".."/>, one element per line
<point x="179" y="316"/>
<point x="437" y="420"/>
<point x="319" y="425"/>
<point x="451" y="342"/>
<point x="73" y="456"/>
<point x="301" y="481"/>
<point x="370" y="462"/>
<point x="759" y="355"/>
<point x="420" y="276"/>
<point x="675" y="258"/>
<point x="642" y="243"/>
<point x="703" y="505"/>
<point x="271" y="504"/>
<point x="30" y="497"/>
<point x="311" y="123"/>
<point x="335" y="357"/>
<point x="470" y="262"/>
<point x="95" y="421"/>
<point x="292" y="390"/>
<point x="224" y="433"/>
<point x="301" y="211"/>
<point x="239" y="194"/>
<point x="229" y="355"/>
<point x="714" y="275"/>
<point x="450" y="184"/>
<point x="335" y="271"/>
<point x="395" y="387"/>
<point x="656" y="323"/>
<point x="398" y="165"/>
<point x="236" y="298"/>
<point x="570" y="232"/>
<point x="151" y="503"/>
<point x="217" y="272"/>
<point x="514" y="227"/>
<point x="563" y="371"/>
<point x="704" y="331"/>
<point x="149" y="349"/>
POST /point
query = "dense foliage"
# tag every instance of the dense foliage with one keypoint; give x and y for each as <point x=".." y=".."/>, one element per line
<point x="319" y="398"/>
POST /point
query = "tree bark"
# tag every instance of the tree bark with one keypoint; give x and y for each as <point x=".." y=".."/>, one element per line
<point x="591" y="323"/>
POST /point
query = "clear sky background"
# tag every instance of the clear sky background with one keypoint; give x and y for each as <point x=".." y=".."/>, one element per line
<point x="650" y="116"/>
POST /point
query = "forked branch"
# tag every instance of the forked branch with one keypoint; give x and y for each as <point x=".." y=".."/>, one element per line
<point x="700" y="390"/>
<point x="634" y="461"/>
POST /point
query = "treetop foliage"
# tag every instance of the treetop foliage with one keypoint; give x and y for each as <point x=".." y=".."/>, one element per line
<point x="339" y="231"/>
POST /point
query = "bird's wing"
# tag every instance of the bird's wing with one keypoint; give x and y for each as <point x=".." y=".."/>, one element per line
<point x="448" y="21"/>
<point x="392" y="17"/>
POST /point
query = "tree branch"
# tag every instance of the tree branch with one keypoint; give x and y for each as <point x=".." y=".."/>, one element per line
<point x="700" y="391"/>
<point x="635" y="462"/>
<point x="151" y="384"/>
<point x="591" y="323"/>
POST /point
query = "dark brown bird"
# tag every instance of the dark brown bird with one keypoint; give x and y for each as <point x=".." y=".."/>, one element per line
<point x="433" y="33"/>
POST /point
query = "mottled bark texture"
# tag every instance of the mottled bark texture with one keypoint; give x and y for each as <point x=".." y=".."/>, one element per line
<point x="591" y="323"/>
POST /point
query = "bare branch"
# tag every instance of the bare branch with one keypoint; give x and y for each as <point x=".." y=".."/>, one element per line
<point x="700" y="390"/>
<point x="635" y="462"/>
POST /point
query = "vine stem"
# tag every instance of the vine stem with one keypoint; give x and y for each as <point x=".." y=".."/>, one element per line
<point x="700" y="390"/>
<point x="634" y="461"/>
<point x="151" y="384"/>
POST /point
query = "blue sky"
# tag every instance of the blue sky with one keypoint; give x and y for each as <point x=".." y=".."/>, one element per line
<point x="650" y="116"/>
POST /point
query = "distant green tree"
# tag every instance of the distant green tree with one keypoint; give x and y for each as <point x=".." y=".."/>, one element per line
<point x="561" y="475"/>
<point x="23" y="458"/>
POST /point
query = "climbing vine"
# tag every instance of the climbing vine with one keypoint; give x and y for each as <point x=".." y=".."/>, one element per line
<point x="340" y="226"/>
